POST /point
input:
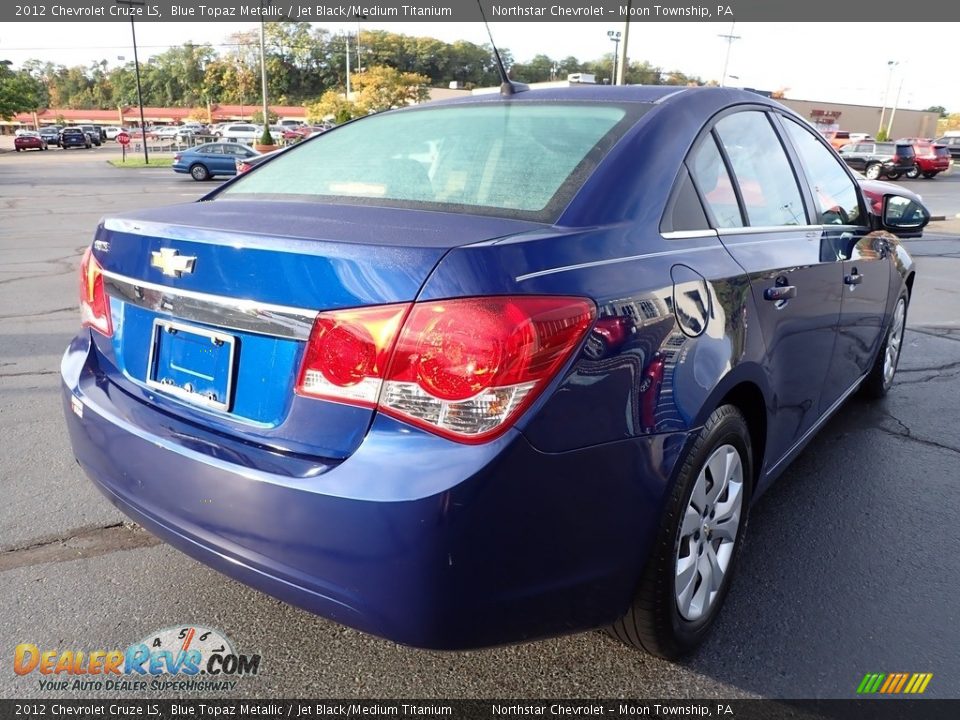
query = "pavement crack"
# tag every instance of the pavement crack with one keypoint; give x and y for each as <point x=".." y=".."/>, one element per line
<point x="80" y="544"/>
<point x="944" y="334"/>
<point x="905" y="433"/>
<point x="42" y="313"/>
<point x="29" y="373"/>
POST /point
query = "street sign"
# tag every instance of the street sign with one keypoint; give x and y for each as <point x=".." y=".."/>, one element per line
<point x="123" y="138"/>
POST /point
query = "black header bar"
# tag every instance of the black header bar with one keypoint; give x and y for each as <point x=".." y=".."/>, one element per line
<point x="607" y="11"/>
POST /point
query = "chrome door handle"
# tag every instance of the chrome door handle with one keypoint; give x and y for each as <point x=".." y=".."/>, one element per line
<point x="854" y="279"/>
<point x="780" y="293"/>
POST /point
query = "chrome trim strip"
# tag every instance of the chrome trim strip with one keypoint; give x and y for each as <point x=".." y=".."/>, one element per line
<point x="688" y="234"/>
<point x="223" y="312"/>
<point x="819" y="423"/>
<point x="666" y="97"/>
<point x="613" y="261"/>
<point x="753" y="230"/>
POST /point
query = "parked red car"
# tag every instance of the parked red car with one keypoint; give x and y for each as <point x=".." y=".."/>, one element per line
<point x="931" y="159"/>
<point x="29" y="141"/>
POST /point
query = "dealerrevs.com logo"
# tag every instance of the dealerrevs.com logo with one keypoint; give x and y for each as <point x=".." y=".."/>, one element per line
<point x="183" y="658"/>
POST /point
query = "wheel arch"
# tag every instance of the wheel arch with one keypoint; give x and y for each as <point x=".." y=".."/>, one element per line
<point x="746" y="389"/>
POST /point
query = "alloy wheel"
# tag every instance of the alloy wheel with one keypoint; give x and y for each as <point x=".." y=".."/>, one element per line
<point x="708" y="533"/>
<point x="894" y="342"/>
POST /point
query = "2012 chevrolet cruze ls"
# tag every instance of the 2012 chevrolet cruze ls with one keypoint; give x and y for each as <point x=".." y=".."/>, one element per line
<point x="490" y="370"/>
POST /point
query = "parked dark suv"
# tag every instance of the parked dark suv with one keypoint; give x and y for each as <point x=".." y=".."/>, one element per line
<point x="74" y="137"/>
<point x="94" y="132"/>
<point x="952" y="144"/>
<point x="880" y="159"/>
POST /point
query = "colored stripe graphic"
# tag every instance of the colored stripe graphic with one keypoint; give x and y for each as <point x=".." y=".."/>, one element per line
<point x="894" y="683"/>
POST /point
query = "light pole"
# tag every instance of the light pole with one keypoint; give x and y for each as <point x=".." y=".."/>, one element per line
<point x="893" y="109"/>
<point x="136" y="67"/>
<point x="891" y="64"/>
<point x="729" y="37"/>
<point x="346" y="38"/>
<point x="263" y="77"/>
<point x="615" y="36"/>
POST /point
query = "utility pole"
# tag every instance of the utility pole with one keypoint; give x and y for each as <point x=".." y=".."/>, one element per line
<point x="891" y="64"/>
<point x="729" y="37"/>
<point x="622" y="64"/>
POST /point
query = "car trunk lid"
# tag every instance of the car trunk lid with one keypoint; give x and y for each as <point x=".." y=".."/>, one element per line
<point x="212" y="304"/>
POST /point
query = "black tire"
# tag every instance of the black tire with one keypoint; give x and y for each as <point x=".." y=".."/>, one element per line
<point x="930" y="175"/>
<point x="893" y="176"/>
<point x="915" y="173"/>
<point x="873" y="171"/>
<point x="878" y="383"/>
<point x="199" y="172"/>
<point x="654" y="622"/>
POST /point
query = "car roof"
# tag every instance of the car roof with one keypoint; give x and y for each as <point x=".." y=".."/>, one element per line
<point x="588" y="93"/>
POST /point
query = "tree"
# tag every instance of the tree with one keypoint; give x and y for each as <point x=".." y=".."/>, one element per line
<point x="19" y="91"/>
<point x="257" y="117"/>
<point x="331" y="104"/>
<point x="384" y="88"/>
<point x="939" y="109"/>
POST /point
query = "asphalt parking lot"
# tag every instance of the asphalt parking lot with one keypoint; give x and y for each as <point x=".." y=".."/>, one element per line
<point x="850" y="566"/>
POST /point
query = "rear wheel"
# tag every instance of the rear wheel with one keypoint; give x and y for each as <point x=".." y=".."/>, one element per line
<point x="929" y="175"/>
<point x="872" y="171"/>
<point x="915" y="173"/>
<point x="893" y="175"/>
<point x="688" y="573"/>
<point x="884" y="368"/>
<point x="199" y="172"/>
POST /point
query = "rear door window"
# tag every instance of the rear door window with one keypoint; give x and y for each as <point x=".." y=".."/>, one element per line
<point x="768" y="187"/>
<point x="835" y="195"/>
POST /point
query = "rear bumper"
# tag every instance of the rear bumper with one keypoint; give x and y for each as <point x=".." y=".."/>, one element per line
<point x="933" y="165"/>
<point x="413" y="538"/>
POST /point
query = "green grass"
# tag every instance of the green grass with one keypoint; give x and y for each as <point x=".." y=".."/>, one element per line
<point x="137" y="162"/>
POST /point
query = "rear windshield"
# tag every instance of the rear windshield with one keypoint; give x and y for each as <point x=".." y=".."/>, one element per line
<point x="517" y="159"/>
<point x="905" y="150"/>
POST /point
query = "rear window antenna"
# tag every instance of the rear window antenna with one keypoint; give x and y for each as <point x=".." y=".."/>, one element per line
<point x="507" y="86"/>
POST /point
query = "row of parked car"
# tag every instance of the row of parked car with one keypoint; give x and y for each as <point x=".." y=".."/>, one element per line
<point x="85" y="136"/>
<point x="909" y="157"/>
<point x="290" y="130"/>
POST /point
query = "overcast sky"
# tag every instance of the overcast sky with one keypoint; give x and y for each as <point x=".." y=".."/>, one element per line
<point x="813" y="61"/>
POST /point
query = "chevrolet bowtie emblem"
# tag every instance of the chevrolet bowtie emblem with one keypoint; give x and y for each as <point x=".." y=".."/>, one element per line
<point x="171" y="262"/>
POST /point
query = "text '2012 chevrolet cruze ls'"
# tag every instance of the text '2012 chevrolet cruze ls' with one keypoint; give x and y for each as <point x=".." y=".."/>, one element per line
<point x="494" y="369"/>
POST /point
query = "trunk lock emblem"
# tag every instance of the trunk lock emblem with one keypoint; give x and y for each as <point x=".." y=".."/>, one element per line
<point x="171" y="262"/>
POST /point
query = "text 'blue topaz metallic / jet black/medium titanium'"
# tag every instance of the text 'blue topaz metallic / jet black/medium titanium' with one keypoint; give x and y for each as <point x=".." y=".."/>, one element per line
<point x="493" y="369"/>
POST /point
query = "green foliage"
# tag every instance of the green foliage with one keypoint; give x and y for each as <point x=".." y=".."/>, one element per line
<point x="939" y="109"/>
<point x="332" y="105"/>
<point x="266" y="138"/>
<point x="19" y="91"/>
<point x="303" y="63"/>
<point x="257" y="117"/>
<point x="882" y="135"/>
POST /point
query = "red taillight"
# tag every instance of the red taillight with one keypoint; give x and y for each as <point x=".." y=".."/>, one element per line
<point x="347" y="354"/>
<point x="462" y="368"/>
<point x="94" y="304"/>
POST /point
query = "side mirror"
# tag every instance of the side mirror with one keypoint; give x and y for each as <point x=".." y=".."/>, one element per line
<point x="902" y="213"/>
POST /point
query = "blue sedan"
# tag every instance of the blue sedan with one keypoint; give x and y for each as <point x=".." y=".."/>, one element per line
<point x="493" y="369"/>
<point x="206" y="161"/>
